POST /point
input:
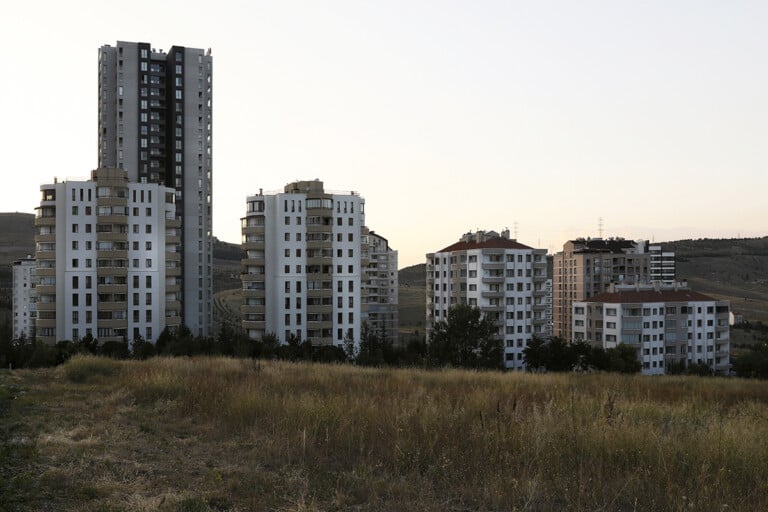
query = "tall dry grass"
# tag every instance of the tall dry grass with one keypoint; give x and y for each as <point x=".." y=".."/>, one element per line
<point x="462" y="440"/>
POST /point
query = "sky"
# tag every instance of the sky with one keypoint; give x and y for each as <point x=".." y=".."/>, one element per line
<point x="550" y="118"/>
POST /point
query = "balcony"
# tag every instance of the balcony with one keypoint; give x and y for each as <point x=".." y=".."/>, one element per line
<point x="112" y="254"/>
<point x="113" y="306"/>
<point x="253" y="230"/>
<point x="45" y="221"/>
<point x="254" y="246"/>
<point x="251" y="324"/>
<point x="113" y="323"/>
<point x="111" y="288"/>
<point x="49" y="237"/>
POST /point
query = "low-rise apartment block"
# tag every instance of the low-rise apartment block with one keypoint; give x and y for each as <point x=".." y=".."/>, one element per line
<point x="666" y="325"/>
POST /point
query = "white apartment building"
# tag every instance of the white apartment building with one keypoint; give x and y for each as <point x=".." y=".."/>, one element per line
<point x="24" y="298"/>
<point x="665" y="325"/>
<point x="307" y="254"/>
<point x="108" y="259"/>
<point x="505" y="279"/>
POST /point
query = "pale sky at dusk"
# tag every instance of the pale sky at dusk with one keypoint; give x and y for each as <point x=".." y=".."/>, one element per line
<point x="446" y="116"/>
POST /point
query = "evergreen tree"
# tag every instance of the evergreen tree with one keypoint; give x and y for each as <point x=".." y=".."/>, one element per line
<point x="466" y="339"/>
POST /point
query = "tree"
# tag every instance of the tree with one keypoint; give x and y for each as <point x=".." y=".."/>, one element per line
<point x="536" y="354"/>
<point x="142" y="349"/>
<point x="373" y="347"/>
<point x="623" y="358"/>
<point x="466" y="339"/>
<point x="752" y="362"/>
<point x="561" y="357"/>
<point x="269" y="345"/>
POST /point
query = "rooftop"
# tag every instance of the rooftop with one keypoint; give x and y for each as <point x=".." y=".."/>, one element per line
<point x="493" y="243"/>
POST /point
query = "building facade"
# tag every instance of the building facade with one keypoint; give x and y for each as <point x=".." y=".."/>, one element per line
<point x="155" y="122"/>
<point x="662" y="265"/>
<point x="107" y="262"/>
<point x="505" y="279"/>
<point x="380" y="286"/>
<point x="666" y="325"/>
<point x="24" y="297"/>
<point x="306" y="272"/>
<point x="587" y="267"/>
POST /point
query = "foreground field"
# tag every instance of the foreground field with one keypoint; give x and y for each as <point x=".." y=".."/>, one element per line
<point x="223" y="434"/>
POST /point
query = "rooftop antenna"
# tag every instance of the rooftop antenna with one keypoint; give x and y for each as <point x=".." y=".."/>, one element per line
<point x="600" y="227"/>
<point x="515" y="227"/>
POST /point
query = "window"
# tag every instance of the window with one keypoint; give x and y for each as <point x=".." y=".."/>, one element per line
<point x="75" y="262"/>
<point x="148" y="228"/>
<point x="149" y="299"/>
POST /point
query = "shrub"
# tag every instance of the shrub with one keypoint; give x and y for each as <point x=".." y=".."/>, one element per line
<point x="81" y="369"/>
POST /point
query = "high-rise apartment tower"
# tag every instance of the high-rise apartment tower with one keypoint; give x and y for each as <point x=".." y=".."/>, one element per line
<point x="312" y="270"/>
<point x="24" y="298"/>
<point x="505" y="279"/>
<point x="106" y="259"/>
<point x="155" y="116"/>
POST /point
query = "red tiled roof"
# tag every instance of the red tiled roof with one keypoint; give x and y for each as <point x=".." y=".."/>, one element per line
<point x="493" y="243"/>
<point x="635" y="296"/>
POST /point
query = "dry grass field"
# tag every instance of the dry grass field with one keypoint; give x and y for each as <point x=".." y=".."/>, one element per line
<point x="222" y="434"/>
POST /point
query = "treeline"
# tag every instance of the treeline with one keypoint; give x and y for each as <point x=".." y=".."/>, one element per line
<point x="556" y="355"/>
<point x="465" y="339"/>
<point x="752" y="359"/>
<point x="372" y="350"/>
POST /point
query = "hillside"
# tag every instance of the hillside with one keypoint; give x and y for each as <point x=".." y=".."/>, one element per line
<point x="17" y="240"/>
<point x="732" y="269"/>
